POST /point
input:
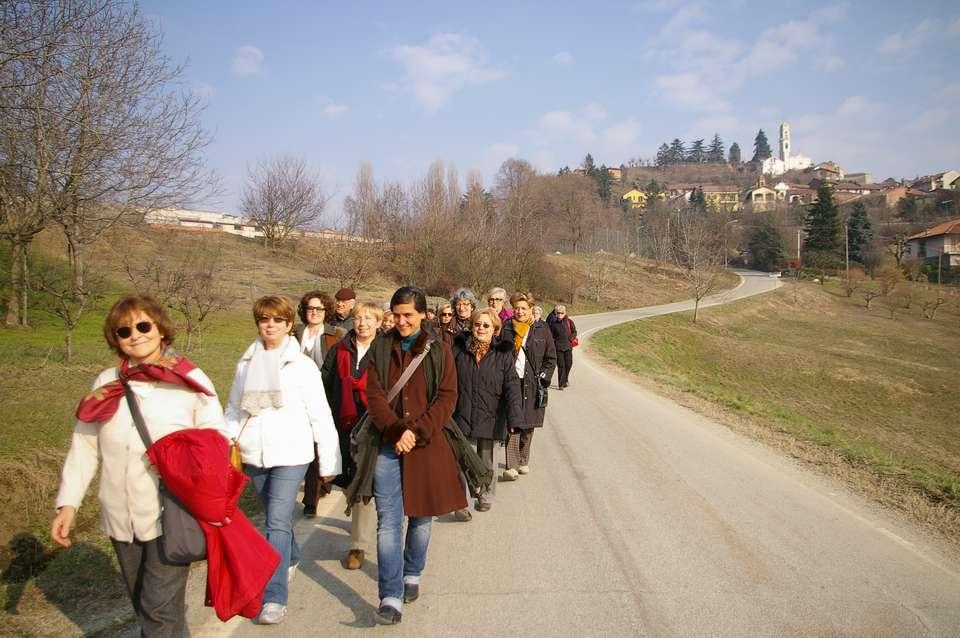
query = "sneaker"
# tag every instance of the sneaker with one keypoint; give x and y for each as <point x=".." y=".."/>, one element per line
<point x="309" y="511"/>
<point x="411" y="591"/>
<point x="292" y="572"/>
<point x="509" y="475"/>
<point x="271" y="614"/>
<point x="483" y="506"/>
<point x="524" y="469"/>
<point x="355" y="559"/>
<point x="463" y="515"/>
<point x="387" y="615"/>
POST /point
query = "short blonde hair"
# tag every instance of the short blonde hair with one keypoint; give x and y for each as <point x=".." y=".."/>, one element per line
<point x="521" y="296"/>
<point x="276" y="306"/>
<point x="494" y="318"/>
<point x="373" y="309"/>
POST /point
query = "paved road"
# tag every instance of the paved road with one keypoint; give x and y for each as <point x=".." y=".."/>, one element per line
<point x="641" y="517"/>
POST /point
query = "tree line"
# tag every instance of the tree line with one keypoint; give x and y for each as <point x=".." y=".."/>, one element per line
<point x="698" y="151"/>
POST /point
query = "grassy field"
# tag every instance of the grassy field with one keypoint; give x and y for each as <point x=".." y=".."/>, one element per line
<point x="807" y="363"/>
<point x="51" y="592"/>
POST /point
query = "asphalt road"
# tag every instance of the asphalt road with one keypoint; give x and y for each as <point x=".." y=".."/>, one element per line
<point x="640" y="517"/>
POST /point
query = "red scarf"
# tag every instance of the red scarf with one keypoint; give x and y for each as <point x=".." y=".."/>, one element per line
<point x="101" y="404"/>
<point x="349" y="385"/>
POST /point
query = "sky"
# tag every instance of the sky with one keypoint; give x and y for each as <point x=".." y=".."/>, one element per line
<point x="871" y="85"/>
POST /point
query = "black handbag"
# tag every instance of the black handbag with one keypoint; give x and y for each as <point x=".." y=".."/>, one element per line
<point x="182" y="540"/>
<point x="540" y="401"/>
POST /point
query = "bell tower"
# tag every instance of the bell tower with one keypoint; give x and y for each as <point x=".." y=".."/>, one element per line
<point x="784" y="142"/>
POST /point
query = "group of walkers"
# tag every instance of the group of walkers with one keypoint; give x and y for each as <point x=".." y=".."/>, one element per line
<point x="357" y="394"/>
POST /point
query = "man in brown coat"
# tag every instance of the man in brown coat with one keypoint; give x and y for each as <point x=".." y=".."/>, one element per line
<point x="416" y="473"/>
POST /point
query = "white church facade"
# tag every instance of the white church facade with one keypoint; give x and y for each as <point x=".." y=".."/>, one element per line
<point x="787" y="160"/>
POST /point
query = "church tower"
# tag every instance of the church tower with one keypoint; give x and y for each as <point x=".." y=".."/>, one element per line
<point x="785" y="142"/>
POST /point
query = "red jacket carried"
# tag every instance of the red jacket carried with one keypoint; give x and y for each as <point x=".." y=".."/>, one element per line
<point x="194" y="466"/>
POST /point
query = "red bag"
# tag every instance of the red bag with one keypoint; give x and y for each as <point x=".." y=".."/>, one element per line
<point x="575" y="342"/>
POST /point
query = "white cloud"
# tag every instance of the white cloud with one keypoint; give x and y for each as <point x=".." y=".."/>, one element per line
<point x="907" y="41"/>
<point x="853" y="105"/>
<point x="247" y="60"/>
<point x="331" y="109"/>
<point x="930" y="119"/>
<point x="448" y="63"/>
<point x="571" y="134"/>
<point x="563" y="58"/>
<point x="690" y="90"/>
<point x="564" y="126"/>
<point x="202" y="90"/>
<point x="722" y="124"/>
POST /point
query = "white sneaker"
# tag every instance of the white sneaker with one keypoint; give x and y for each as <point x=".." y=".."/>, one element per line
<point x="510" y="475"/>
<point x="292" y="572"/>
<point x="524" y="469"/>
<point x="271" y="614"/>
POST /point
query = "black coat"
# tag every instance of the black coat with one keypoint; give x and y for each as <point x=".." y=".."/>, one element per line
<point x="486" y="390"/>
<point x="541" y="362"/>
<point x="563" y="330"/>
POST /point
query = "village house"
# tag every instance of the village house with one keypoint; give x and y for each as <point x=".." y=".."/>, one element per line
<point x="827" y="171"/>
<point x="202" y="220"/>
<point x="761" y="198"/>
<point x="945" y="181"/>
<point x="635" y="198"/>
<point x="942" y="242"/>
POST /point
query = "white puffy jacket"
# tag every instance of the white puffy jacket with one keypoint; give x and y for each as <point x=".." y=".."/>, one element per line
<point x="286" y="435"/>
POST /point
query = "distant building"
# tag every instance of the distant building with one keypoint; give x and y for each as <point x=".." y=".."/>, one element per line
<point x="615" y="173"/>
<point x="202" y="220"/>
<point x="946" y="181"/>
<point x="787" y="160"/>
<point x="942" y="242"/>
<point x="635" y="198"/>
<point x="827" y="171"/>
<point x="761" y="198"/>
<point x="719" y="197"/>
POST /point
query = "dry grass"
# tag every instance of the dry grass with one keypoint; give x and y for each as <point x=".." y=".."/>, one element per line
<point x="861" y="396"/>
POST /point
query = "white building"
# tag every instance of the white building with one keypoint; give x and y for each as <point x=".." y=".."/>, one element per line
<point x="787" y="160"/>
<point x="202" y="220"/>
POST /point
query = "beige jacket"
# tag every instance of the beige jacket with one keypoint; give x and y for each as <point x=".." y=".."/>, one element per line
<point x="129" y="498"/>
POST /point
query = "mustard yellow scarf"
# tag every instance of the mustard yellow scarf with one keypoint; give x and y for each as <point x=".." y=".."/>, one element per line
<point x="520" y="329"/>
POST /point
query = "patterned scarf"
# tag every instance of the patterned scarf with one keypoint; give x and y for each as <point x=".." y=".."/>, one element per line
<point x="520" y="329"/>
<point x="478" y="348"/>
<point x="101" y="404"/>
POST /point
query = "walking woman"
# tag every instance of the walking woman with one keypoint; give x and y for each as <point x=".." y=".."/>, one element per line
<point x="487" y="388"/>
<point x="535" y="359"/>
<point x="463" y="302"/>
<point x="564" y="332"/>
<point x="415" y="475"/>
<point x="172" y="395"/>
<point x="316" y="337"/>
<point x="281" y="419"/>
<point x="345" y="380"/>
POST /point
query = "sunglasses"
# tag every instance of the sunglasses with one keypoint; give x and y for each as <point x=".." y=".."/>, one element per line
<point x="446" y="314"/>
<point x="143" y="327"/>
<point x="273" y="319"/>
<point x="482" y="325"/>
<point x="315" y="308"/>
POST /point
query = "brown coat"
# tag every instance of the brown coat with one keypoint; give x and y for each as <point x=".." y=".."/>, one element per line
<point x="431" y="480"/>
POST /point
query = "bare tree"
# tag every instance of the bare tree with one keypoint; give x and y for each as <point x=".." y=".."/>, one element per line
<point x="519" y="197"/>
<point x="599" y="274"/>
<point x="61" y="299"/>
<point x="699" y="252"/>
<point x="575" y="207"/>
<point x="363" y="209"/>
<point x="281" y="197"/>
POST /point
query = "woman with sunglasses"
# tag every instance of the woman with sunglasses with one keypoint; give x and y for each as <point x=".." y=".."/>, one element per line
<point x="172" y="394"/>
<point x="445" y="325"/>
<point x="280" y="419"/>
<point x="316" y="337"/>
<point x="487" y="387"/>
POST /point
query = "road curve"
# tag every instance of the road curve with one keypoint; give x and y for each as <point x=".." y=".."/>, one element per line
<point x="641" y="517"/>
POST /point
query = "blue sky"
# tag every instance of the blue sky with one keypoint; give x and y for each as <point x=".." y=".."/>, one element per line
<point x="871" y="85"/>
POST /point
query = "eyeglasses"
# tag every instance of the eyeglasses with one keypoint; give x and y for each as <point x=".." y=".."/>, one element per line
<point x="273" y="319"/>
<point x="492" y="299"/>
<point x="143" y="327"/>
<point x="479" y="324"/>
<point x="315" y="309"/>
<point x="446" y="314"/>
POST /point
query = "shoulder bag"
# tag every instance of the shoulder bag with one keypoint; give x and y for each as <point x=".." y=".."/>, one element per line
<point x="540" y="402"/>
<point x="182" y="540"/>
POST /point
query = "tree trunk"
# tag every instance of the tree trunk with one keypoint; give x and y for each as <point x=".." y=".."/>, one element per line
<point x="696" y="309"/>
<point x="75" y="254"/>
<point x="68" y="345"/>
<point x="20" y="280"/>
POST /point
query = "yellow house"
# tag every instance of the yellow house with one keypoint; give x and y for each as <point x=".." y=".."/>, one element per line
<point x="724" y="198"/>
<point x="637" y="198"/>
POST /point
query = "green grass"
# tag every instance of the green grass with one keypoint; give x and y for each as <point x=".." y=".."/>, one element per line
<point x="881" y="392"/>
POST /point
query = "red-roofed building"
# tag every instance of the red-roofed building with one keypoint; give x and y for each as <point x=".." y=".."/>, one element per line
<point x="940" y="242"/>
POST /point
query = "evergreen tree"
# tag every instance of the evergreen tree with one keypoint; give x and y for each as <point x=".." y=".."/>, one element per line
<point x="859" y="233"/>
<point x="761" y="147"/>
<point x="623" y="174"/>
<point x="715" y="153"/>
<point x="766" y="247"/>
<point x="588" y="167"/>
<point x="653" y="188"/>
<point x="678" y="152"/>
<point x="564" y="171"/>
<point x="824" y="242"/>
<point x="697" y="154"/>
<point x="735" y="154"/>
<point x="698" y="200"/>
<point x="602" y="178"/>
<point x="663" y="155"/>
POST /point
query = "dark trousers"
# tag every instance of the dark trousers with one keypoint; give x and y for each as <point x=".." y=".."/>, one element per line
<point x="564" y="363"/>
<point x="312" y="492"/>
<point x="157" y="588"/>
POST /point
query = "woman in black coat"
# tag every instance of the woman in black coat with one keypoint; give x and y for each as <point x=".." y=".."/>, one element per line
<point x="488" y="392"/>
<point x="535" y="358"/>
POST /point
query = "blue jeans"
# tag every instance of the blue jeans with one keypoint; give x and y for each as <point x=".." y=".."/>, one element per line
<point x="277" y="489"/>
<point x="398" y="562"/>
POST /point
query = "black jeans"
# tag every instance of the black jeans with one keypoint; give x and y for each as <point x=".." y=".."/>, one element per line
<point x="157" y="588"/>
<point x="564" y="363"/>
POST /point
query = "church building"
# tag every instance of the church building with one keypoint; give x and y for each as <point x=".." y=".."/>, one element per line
<point x="787" y="161"/>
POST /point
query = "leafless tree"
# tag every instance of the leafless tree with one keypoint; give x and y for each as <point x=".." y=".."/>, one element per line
<point x="519" y="196"/>
<point x="699" y="252"/>
<point x="599" y="274"/>
<point x="103" y="129"/>
<point x="363" y="208"/>
<point x="575" y="207"/>
<point x="281" y="197"/>
<point x="60" y="297"/>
